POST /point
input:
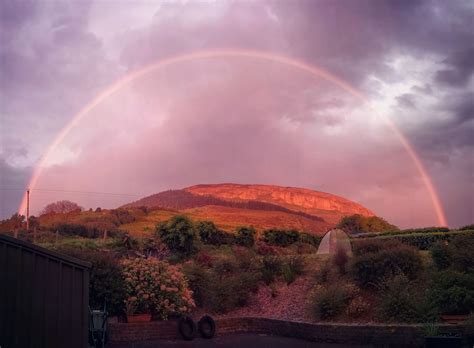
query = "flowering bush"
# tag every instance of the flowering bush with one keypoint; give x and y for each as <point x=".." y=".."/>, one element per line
<point x="156" y="286"/>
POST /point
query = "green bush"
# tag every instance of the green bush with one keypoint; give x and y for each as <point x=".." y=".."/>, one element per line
<point x="292" y="268"/>
<point x="401" y="302"/>
<point x="105" y="283"/>
<point x="331" y="300"/>
<point x="75" y="230"/>
<point x="364" y="246"/>
<point x="340" y="260"/>
<point x="452" y="292"/>
<point x="281" y="238"/>
<point x="422" y="241"/>
<point x="456" y="253"/>
<point x="440" y="255"/>
<point x="223" y="287"/>
<point x="210" y="234"/>
<point x="123" y="216"/>
<point x="327" y="273"/>
<point x="271" y="268"/>
<point x="178" y="234"/>
<point x="374" y="267"/>
<point x="309" y="238"/>
<point x="199" y="280"/>
<point x="245" y="236"/>
<point x="461" y="251"/>
<point x="357" y="307"/>
<point x="358" y="224"/>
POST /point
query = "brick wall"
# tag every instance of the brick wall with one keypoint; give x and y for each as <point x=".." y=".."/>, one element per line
<point x="387" y="335"/>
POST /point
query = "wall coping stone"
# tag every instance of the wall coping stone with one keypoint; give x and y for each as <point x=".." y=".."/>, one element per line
<point x="406" y="335"/>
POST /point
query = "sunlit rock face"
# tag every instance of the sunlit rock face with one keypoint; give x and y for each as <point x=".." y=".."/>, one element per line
<point x="260" y="206"/>
<point x="325" y="205"/>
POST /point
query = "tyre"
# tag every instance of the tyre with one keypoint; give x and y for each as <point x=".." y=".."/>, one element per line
<point x="207" y="327"/>
<point x="187" y="328"/>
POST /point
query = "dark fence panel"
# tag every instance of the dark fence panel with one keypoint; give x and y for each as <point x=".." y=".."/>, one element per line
<point x="43" y="297"/>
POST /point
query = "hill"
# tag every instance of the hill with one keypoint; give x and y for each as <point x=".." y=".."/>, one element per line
<point x="263" y="206"/>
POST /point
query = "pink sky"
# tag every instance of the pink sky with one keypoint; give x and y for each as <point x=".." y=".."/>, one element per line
<point x="240" y="120"/>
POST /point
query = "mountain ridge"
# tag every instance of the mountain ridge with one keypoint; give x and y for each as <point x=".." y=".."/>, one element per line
<point x="324" y="209"/>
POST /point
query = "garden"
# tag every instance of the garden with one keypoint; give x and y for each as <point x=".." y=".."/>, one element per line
<point x="185" y="267"/>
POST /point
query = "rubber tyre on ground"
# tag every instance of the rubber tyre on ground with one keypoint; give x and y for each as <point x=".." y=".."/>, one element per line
<point x="207" y="327"/>
<point x="187" y="328"/>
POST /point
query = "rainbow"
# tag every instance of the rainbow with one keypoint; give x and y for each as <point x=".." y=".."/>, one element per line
<point x="232" y="53"/>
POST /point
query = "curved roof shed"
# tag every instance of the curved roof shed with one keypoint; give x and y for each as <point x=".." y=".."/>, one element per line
<point x="332" y="241"/>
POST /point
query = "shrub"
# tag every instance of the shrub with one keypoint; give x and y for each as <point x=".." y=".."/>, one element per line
<point x="271" y="267"/>
<point x="292" y="268"/>
<point x="204" y="259"/>
<point x="404" y="301"/>
<point x="340" y="260"/>
<point x="178" y="234"/>
<point x="264" y="249"/>
<point x="75" y="230"/>
<point x="232" y="291"/>
<point x="398" y="301"/>
<point x="440" y="255"/>
<point x="358" y="224"/>
<point x="245" y="236"/>
<point x="303" y="248"/>
<point x="331" y="300"/>
<point x="422" y="241"/>
<point x="310" y="239"/>
<point x="456" y="253"/>
<point x="199" y="280"/>
<point x="281" y="237"/>
<point x="461" y="250"/>
<point x="223" y="287"/>
<point x="123" y="216"/>
<point x="364" y="246"/>
<point x="156" y="286"/>
<point x="245" y="258"/>
<point x="357" y="307"/>
<point x="452" y="292"/>
<point x="376" y="265"/>
<point x="210" y="234"/>
<point x="105" y="283"/>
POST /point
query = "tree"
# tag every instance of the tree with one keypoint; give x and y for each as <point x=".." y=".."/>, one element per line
<point x="245" y="236"/>
<point x="357" y="224"/>
<point x="15" y="222"/>
<point x="178" y="234"/>
<point x="210" y="234"/>
<point x="61" y="207"/>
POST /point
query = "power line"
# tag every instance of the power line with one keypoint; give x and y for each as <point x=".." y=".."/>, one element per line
<point x="72" y="191"/>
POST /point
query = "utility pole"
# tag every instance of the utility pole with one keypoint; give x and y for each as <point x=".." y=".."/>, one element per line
<point x="28" y="209"/>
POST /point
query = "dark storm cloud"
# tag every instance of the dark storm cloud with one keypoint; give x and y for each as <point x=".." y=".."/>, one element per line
<point x="407" y="100"/>
<point x="12" y="183"/>
<point x="460" y="68"/>
<point x="442" y="137"/>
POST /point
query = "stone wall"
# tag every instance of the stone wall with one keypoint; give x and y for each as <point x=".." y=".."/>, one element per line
<point x="373" y="334"/>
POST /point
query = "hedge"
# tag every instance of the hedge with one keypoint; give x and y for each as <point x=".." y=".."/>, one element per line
<point x="407" y="231"/>
<point x="422" y="241"/>
<point x="280" y="237"/>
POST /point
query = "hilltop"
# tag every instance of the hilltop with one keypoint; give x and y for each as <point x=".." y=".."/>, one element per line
<point x="262" y="206"/>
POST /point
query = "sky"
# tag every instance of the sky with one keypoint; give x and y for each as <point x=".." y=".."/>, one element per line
<point x="239" y="119"/>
